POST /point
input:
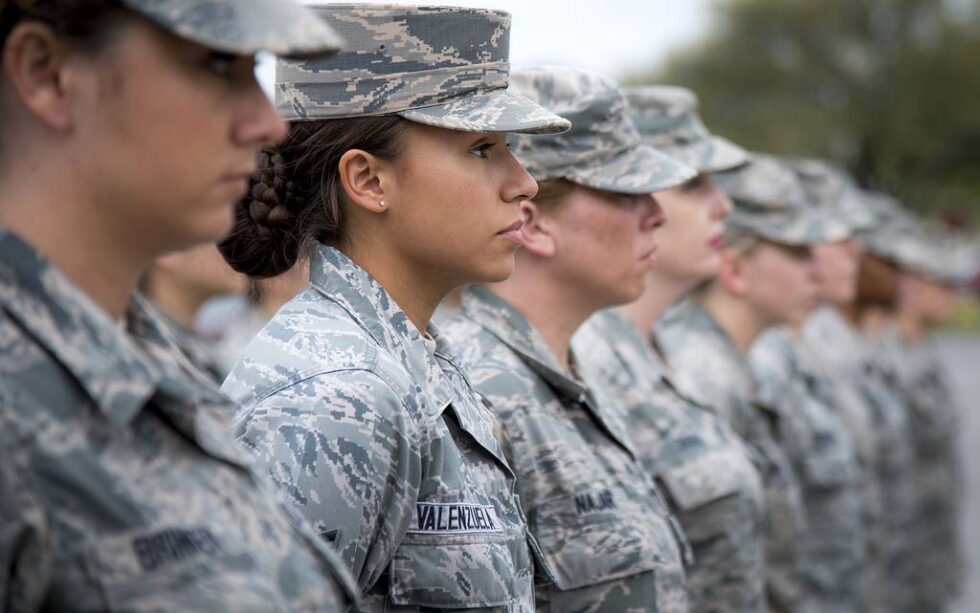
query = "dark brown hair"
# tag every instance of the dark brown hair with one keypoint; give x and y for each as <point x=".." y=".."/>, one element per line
<point x="296" y="198"/>
<point x="877" y="284"/>
<point x="87" y="24"/>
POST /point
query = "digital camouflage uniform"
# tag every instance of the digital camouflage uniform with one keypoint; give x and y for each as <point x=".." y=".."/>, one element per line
<point x="769" y="204"/>
<point x="598" y="518"/>
<point x="362" y="420"/>
<point x="606" y="533"/>
<point x="376" y="438"/>
<point x="705" y="470"/>
<point x="120" y="488"/>
<point x="843" y="355"/>
<point x="811" y="431"/>
<point x="818" y="444"/>
<point x="916" y="370"/>
<point x="193" y="348"/>
<point x="912" y="371"/>
<point x="709" y="368"/>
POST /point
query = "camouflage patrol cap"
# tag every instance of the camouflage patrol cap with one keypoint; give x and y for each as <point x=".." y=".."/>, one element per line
<point x="243" y="27"/>
<point x="771" y="203"/>
<point x="830" y="187"/>
<point x="441" y="66"/>
<point x="667" y="118"/>
<point x="899" y="236"/>
<point x="603" y="149"/>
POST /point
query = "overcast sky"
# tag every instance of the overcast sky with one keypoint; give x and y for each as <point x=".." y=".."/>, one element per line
<point x="615" y="37"/>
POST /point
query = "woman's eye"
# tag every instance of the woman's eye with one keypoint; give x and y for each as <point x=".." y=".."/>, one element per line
<point x="222" y="65"/>
<point x="482" y="150"/>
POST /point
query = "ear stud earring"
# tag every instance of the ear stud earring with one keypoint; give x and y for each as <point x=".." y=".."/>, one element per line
<point x="382" y="204"/>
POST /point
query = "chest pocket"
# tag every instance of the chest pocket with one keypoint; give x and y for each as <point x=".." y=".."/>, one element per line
<point x="711" y="477"/>
<point x="471" y="553"/>
<point x="180" y="568"/>
<point x="600" y="535"/>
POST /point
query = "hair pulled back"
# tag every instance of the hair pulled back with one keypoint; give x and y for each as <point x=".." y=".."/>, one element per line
<point x="296" y="198"/>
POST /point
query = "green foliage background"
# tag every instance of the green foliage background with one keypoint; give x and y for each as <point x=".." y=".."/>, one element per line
<point x="888" y="88"/>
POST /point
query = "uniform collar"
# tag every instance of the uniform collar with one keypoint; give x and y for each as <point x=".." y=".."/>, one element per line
<point x="102" y="355"/>
<point x="340" y="280"/>
<point x="513" y="329"/>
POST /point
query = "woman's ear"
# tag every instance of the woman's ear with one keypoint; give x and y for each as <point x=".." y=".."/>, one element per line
<point x="36" y="67"/>
<point x="732" y="272"/>
<point x="363" y="178"/>
<point x="538" y="231"/>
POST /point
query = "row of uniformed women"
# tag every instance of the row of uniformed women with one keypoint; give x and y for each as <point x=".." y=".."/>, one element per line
<point x="477" y="470"/>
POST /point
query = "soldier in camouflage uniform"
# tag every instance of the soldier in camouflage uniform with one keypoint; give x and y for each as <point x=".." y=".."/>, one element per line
<point x="813" y="435"/>
<point x="120" y="489"/>
<point x="707" y="345"/>
<point x="705" y="469"/>
<point x="351" y="400"/>
<point x="926" y="271"/>
<point x="598" y="517"/>
<point x="843" y="355"/>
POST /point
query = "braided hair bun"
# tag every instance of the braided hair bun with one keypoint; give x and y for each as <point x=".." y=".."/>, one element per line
<point x="264" y="241"/>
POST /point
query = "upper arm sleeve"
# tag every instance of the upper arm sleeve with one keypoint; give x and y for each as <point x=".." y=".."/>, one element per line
<point x="344" y="451"/>
<point x="24" y="555"/>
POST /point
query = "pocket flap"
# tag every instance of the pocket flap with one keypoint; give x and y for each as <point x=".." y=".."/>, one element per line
<point x="705" y="479"/>
<point x="454" y="572"/>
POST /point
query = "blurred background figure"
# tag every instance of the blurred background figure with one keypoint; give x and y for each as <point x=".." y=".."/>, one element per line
<point x="180" y="284"/>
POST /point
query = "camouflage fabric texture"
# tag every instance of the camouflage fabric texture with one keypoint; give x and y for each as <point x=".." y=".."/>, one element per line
<point x="935" y="417"/>
<point x="608" y="539"/>
<point x="667" y="119"/>
<point x="709" y="368"/>
<point x="771" y="203"/>
<point x="374" y="435"/>
<point x="440" y="66"/>
<point x="195" y="353"/>
<point x="244" y="27"/>
<point x="120" y="488"/>
<point x="879" y="424"/>
<point x="833" y="190"/>
<point x="705" y="470"/>
<point x="603" y="149"/>
<point x="820" y="448"/>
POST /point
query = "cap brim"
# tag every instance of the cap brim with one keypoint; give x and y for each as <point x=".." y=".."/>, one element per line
<point x="714" y="154"/>
<point x="813" y="228"/>
<point x="244" y="27"/>
<point x="495" y="111"/>
<point x="637" y="170"/>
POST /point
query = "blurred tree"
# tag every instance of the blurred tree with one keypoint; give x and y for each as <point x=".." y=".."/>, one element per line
<point x="888" y="88"/>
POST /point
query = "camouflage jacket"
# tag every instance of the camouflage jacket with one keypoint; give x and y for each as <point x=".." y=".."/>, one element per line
<point x="705" y="470"/>
<point x="934" y="413"/>
<point x="709" y="367"/>
<point x="376" y="437"/>
<point x="120" y="489"/>
<point x="844" y="355"/>
<point x="606" y="534"/>
<point x="195" y="349"/>
<point x="818" y="444"/>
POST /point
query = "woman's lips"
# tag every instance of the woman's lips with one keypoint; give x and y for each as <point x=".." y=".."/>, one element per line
<point x="650" y="256"/>
<point x="717" y="242"/>
<point x="513" y="232"/>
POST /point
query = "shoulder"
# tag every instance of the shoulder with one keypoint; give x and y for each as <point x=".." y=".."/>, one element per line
<point x="37" y="393"/>
<point x="310" y="342"/>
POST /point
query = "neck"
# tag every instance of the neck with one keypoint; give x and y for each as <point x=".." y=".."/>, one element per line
<point x="417" y="292"/>
<point x="555" y="310"/>
<point x="662" y="292"/>
<point x="734" y="315"/>
<point x="97" y="253"/>
<point x="175" y="300"/>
